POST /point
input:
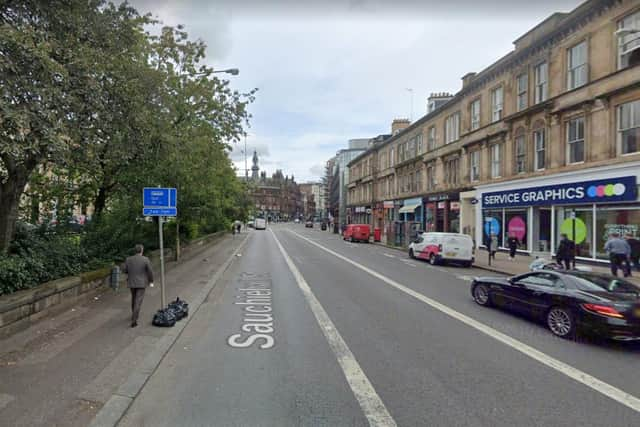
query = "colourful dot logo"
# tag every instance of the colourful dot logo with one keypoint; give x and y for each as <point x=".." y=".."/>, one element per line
<point x="608" y="190"/>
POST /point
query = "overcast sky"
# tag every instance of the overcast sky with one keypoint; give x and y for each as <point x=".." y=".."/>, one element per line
<point x="329" y="71"/>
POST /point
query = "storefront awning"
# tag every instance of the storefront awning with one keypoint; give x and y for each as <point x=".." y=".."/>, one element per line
<point x="409" y="208"/>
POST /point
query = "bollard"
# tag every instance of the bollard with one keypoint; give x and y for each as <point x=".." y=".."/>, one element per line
<point x="115" y="277"/>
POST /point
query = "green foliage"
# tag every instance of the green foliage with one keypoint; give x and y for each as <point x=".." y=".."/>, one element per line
<point x="94" y="108"/>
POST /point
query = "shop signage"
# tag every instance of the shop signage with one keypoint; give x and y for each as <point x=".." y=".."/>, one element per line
<point x="368" y="211"/>
<point x="443" y="196"/>
<point x="388" y="205"/>
<point x="441" y="205"/>
<point x="620" y="189"/>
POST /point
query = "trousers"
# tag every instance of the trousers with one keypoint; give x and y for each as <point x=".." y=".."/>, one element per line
<point x="137" y="295"/>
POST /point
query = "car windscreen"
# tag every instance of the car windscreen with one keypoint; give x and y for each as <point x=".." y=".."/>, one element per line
<point x="604" y="283"/>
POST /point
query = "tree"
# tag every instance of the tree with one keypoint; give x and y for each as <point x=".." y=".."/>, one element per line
<point x="49" y="52"/>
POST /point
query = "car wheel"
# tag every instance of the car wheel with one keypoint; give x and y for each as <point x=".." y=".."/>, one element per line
<point x="560" y="322"/>
<point x="432" y="259"/>
<point x="481" y="295"/>
<point x="411" y="254"/>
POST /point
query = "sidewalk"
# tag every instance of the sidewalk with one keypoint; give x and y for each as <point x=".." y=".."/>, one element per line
<point x="520" y="265"/>
<point x="61" y="370"/>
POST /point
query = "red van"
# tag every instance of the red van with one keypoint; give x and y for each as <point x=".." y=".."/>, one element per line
<point x="357" y="232"/>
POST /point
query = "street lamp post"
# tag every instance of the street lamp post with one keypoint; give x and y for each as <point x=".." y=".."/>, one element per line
<point x="246" y="170"/>
<point x="411" y="91"/>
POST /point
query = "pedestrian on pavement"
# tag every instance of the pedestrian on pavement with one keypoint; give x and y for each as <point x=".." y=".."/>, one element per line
<point x="566" y="251"/>
<point x="493" y="241"/>
<point x="634" y="244"/>
<point x="512" y="242"/>
<point x="139" y="276"/>
<point x="619" y="252"/>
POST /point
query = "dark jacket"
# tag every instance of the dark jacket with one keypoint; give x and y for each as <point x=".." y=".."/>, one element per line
<point x="566" y="249"/>
<point x="513" y="243"/>
<point x="635" y="247"/>
<point x="139" y="271"/>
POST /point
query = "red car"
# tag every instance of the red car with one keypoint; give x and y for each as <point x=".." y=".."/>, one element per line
<point x="357" y="232"/>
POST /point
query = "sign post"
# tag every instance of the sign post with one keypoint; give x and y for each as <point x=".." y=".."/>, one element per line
<point x="160" y="202"/>
<point x="573" y="237"/>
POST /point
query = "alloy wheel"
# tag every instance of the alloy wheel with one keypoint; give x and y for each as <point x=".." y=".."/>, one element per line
<point x="560" y="322"/>
<point x="481" y="295"/>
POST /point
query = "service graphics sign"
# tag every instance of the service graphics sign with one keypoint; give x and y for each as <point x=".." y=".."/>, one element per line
<point x="620" y="189"/>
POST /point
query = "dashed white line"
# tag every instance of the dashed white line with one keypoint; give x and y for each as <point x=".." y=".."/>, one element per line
<point x="582" y="377"/>
<point x="371" y="404"/>
<point x="388" y="255"/>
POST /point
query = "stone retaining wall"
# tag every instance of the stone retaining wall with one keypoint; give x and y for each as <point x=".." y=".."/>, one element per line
<point x="18" y="310"/>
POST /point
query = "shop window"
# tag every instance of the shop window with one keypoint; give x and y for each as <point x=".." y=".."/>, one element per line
<point x="629" y="127"/>
<point x="492" y="224"/>
<point x="583" y="228"/>
<point x="615" y="219"/>
<point x="575" y="140"/>
<point x="516" y="226"/>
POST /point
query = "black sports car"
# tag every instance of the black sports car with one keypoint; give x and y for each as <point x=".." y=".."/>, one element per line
<point x="568" y="301"/>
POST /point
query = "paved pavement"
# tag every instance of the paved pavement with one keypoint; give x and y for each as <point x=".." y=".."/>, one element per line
<point x="307" y="330"/>
<point x="61" y="370"/>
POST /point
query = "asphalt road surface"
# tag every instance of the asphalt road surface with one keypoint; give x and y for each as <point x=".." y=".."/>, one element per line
<point x="308" y="330"/>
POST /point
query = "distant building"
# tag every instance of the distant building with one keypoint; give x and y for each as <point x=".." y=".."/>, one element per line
<point x="277" y="198"/>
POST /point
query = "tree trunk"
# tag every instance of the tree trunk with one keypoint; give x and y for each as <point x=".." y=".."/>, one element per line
<point x="10" y="193"/>
<point x="100" y="202"/>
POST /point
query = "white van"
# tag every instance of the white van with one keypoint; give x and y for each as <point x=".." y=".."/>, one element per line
<point x="260" y="224"/>
<point x="439" y="248"/>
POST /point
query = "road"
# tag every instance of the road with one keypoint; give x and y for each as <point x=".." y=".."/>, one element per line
<point x="308" y="330"/>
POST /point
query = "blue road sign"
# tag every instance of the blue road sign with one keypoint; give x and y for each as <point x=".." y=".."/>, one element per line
<point x="159" y="201"/>
<point x="160" y="211"/>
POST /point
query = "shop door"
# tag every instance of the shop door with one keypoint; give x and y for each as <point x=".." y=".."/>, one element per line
<point x="440" y="217"/>
<point x="544" y="230"/>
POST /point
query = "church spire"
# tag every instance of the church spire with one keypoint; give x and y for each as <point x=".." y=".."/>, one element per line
<point x="255" y="168"/>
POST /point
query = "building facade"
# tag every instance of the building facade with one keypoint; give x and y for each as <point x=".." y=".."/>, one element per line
<point x="544" y="141"/>
<point x="277" y="198"/>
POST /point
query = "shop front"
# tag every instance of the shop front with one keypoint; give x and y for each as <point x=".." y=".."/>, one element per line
<point x="362" y="215"/>
<point x="587" y="206"/>
<point x="442" y="212"/>
<point x="388" y="217"/>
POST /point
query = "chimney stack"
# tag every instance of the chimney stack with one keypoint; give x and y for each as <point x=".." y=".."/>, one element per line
<point x="398" y="124"/>
<point x="467" y="78"/>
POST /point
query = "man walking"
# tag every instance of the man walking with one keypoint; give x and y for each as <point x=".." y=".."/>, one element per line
<point x="619" y="252"/>
<point x="139" y="275"/>
<point x="566" y="251"/>
<point x="634" y="244"/>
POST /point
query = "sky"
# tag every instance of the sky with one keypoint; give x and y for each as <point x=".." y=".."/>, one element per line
<point x="333" y="70"/>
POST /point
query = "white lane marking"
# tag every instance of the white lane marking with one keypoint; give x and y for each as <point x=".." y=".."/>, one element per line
<point x="371" y="404"/>
<point x="590" y="381"/>
<point x="388" y="255"/>
<point x="465" y="278"/>
<point x="409" y="263"/>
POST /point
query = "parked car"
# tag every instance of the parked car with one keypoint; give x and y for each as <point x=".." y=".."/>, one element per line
<point x="357" y="233"/>
<point x="568" y="302"/>
<point x="439" y="248"/>
<point x="308" y="224"/>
